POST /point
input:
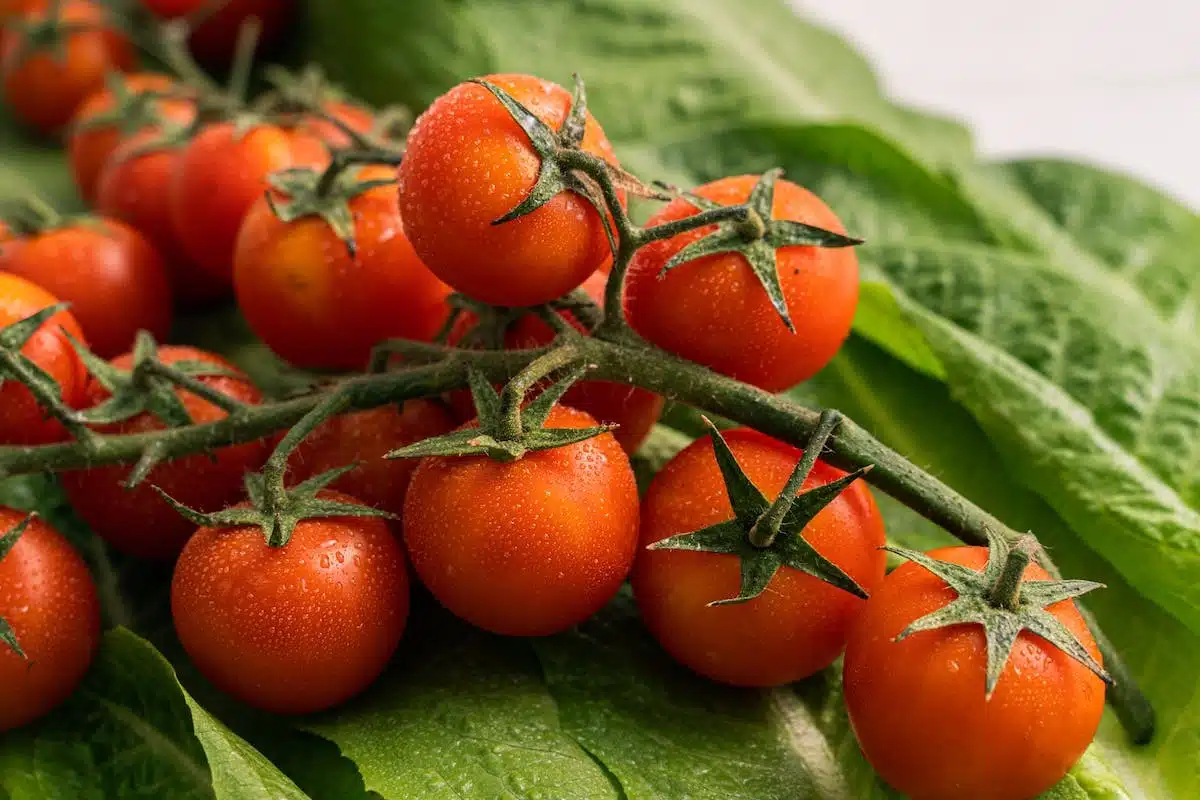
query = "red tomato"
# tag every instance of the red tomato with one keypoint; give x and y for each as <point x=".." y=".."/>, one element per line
<point x="918" y="705"/>
<point x="354" y="116"/>
<point x="715" y="311"/>
<point x="529" y="547"/>
<point x="298" y="628"/>
<point x="795" y="628"/>
<point x="468" y="163"/>
<point x="135" y="188"/>
<point x="215" y="39"/>
<point x="16" y="8"/>
<point x="217" y="180"/>
<point x="318" y="307"/>
<point x="139" y="522"/>
<point x="366" y="436"/>
<point x="113" y="278"/>
<point x="22" y="421"/>
<point x="43" y="90"/>
<point x="48" y="597"/>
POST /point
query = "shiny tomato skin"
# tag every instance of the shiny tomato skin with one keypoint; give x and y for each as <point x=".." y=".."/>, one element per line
<point x="468" y="163"/>
<point x="48" y="597"/>
<point x="294" y="629"/>
<point x="365" y="437"/>
<point x="113" y="278"/>
<point x="529" y="547"/>
<point x="714" y="311"/>
<point x="139" y="522"/>
<point x="219" y="177"/>
<point x="135" y="188"/>
<point x="318" y="307"/>
<point x="43" y="91"/>
<point x="918" y="706"/>
<point x="215" y="39"/>
<point x="22" y="421"/>
<point x="794" y="629"/>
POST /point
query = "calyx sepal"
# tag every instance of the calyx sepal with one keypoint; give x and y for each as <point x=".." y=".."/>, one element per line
<point x="131" y="110"/>
<point x="7" y="542"/>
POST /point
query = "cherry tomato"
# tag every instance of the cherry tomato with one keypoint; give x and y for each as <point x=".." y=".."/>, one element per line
<point x="139" y="522"/>
<point x="354" y="116"/>
<point x="218" y="178"/>
<point x="365" y="436"/>
<point x="17" y="8"/>
<point x="795" y="628"/>
<point x="468" y="163"/>
<point x="529" y="547"/>
<point x="113" y="278"/>
<point x="22" y="420"/>
<point x="298" y="628"/>
<point x="48" y="597"/>
<point x="88" y="149"/>
<point x="43" y="90"/>
<point x="715" y="311"/>
<point x="214" y="40"/>
<point x="134" y="187"/>
<point x="317" y="306"/>
<point x="918" y="705"/>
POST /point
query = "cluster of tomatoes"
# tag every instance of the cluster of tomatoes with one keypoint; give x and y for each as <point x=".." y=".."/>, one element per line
<point x="524" y="547"/>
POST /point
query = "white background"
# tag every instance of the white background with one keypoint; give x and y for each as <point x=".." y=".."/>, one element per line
<point x="1115" y="82"/>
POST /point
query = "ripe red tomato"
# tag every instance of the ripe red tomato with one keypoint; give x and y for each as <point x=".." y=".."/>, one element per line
<point x="134" y="187"/>
<point x="214" y="40"/>
<point x="715" y="311"/>
<point x="113" y="278"/>
<point x="918" y="705"/>
<point x="468" y="163"/>
<point x="42" y="90"/>
<point x="139" y="522"/>
<point x="22" y="421"/>
<point x="48" y="597"/>
<point x="218" y="178"/>
<point x="354" y="116"/>
<point x="317" y="306"/>
<point x="795" y="628"/>
<point x="88" y="149"/>
<point x="529" y="547"/>
<point x="365" y="436"/>
<point x="298" y="628"/>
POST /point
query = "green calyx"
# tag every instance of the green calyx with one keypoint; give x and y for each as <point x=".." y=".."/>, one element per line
<point x="7" y="542"/>
<point x="30" y="215"/>
<point x="756" y="236"/>
<point x="48" y="33"/>
<point x="766" y="535"/>
<point x="131" y="111"/>
<point x="1004" y="604"/>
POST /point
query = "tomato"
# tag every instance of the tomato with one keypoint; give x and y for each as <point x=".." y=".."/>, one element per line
<point x="139" y="522"/>
<point x="633" y="409"/>
<point x="217" y="180"/>
<point x="354" y="116"/>
<point x="48" y="597"/>
<point x="795" y="628"/>
<point x="214" y="40"/>
<point x="298" y="628"/>
<point x="113" y="278"/>
<point x="22" y="420"/>
<point x="366" y="436"/>
<point x="134" y="187"/>
<point x="468" y="163"/>
<point x="715" y="311"/>
<point x="17" y="8"/>
<point x="88" y="149"/>
<point x="528" y="547"/>
<point x="42" y="90"/>
<point x="317" y="306"/>
<point x="918" y="705"/>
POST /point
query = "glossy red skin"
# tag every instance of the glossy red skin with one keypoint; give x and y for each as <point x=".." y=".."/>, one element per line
<point x="794" y="629"/>
<point x="529" y="547"/>
<point x="139" y="522"/>
<point x="215" y="39"/>
<point x="220" y="176"/>
<point x="22" y="420"/>
<point x="294" y="629"/>
<point x="365" y="437"/>
<point x="315" y="305"/>
<point x="715" y="312"/>
<point x="48" y="597"/>
<point x="136" y="190"/>
<point x="42" y="91"/>
<point x="88" y="150"/>
<point x="113" y="278"/>
<point x="467" y="164"/>
<point x="918" y="706"/>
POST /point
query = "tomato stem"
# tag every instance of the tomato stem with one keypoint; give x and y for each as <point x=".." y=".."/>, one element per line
<point x="1005" y="591"/>
<point x="513" y="395"/>
<point x="243" y="60"/>
<point x="342" y="160"/>
<point x="766" y="528"/>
